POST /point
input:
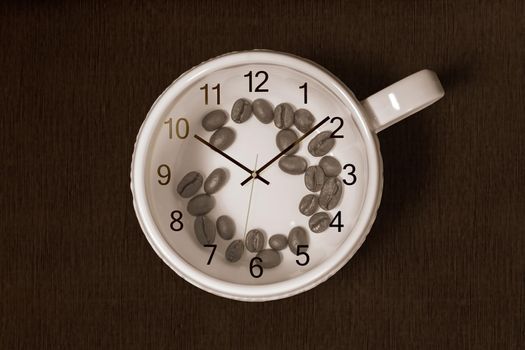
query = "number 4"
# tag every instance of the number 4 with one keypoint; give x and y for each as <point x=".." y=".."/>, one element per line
<point x="336" y="222"/>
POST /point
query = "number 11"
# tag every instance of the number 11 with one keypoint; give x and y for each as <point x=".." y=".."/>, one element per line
<point x="216" y="87"/>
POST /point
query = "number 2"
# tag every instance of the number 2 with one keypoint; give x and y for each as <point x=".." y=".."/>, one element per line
<point x="334" y="134"/>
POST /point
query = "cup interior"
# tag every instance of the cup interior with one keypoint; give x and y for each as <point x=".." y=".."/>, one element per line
<point x="272" y="206"/>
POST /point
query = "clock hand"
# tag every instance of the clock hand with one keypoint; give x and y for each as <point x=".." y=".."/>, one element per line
<point x="250" y="202"/>
<point x="253" y="173"/>
<point x="270" y="162"/>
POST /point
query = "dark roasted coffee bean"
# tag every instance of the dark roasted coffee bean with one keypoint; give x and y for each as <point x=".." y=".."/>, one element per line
<point x="297" y="236"/>
<point x="241" y="110"/>
<point x="285" y="138"/>
<point x="201" y="204"/>
<point x="234" y="251"/>
<point x="330" y="166"/>
<point x="278" y="241"/>
<point x="204" y="230"/>
<point x="189" y="184"/>
<point x="223" y="138"/>
<point x="269" y="258"/>
<point x="225" y="227"/>
<point x="263" y="110"/>
<point x="330" y="193"/>
<point x="309" y="204"/>
<point x="294" y="165"/>
<point x="255" y="240"/>
<point x="319" y="222"/>
<point x="314" y="178"/>
<point x="321" y="144"/>
<point x="303" y="120"/>
<point x="215" y="181"/>
<point x="283" y="116"/>
<point x="214" y="120"/>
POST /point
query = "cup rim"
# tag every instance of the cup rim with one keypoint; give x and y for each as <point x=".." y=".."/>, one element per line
<point x="277" y="290"/>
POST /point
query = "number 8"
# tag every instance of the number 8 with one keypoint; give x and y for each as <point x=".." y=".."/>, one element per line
<point x="176" y="220"/>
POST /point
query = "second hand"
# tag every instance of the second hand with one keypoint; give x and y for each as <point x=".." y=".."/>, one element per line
<point x="250" y="201"/>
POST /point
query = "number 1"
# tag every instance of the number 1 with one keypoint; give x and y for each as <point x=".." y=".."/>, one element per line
<point x="305" y="87"/>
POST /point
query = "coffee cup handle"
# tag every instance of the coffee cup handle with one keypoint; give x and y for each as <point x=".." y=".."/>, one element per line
<point x="402" y="99"/>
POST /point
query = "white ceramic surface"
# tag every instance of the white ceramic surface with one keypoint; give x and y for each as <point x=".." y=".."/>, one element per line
<point x="273" y="207"/>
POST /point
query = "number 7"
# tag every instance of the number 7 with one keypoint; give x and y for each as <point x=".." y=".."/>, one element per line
<point x="214" y="246"/>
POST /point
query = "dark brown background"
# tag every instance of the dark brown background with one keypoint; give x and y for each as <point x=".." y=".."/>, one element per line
<point x="443" y="266"/>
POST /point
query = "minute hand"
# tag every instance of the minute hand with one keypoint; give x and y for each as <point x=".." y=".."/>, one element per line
<point x="271" y="161"/>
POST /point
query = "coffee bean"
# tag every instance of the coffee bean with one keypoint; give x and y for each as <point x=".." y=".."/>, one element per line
<point x="303" y="120"/>
<point x="234" y="251"/>
<point x="314" y="178"/>
<point x="225" y="227"/>
<point x="330" y="193"/>
<point x="294" y="165"/>
<point x="309" y="204"/>
<point x="215" y="181"/>
<point x="283" y="116"/>
<point x="241" y="110"/>
<point x="297" y="236"/>
<point x="189" y="184"/>
<point x="269" y="258"/>
<point x="204" y="230"/>
<point x="285" y="138"/>
<point x="263" y="110"/>
<point x="255" y="240"/>
<point x="278" y="241"/>
<point x="330" y="166"/>
<point x="321" y="144"/>
<point x="319" y="222"/>
<point x="223" y="138"/>
<point x="201" y="204"/>
<point x="214" y="120"/>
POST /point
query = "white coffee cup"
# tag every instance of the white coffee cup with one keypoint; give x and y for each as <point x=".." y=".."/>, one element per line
<point x="369" y="116"/>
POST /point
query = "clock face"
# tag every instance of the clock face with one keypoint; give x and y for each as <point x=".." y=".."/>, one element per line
<point x="273" y="208"/>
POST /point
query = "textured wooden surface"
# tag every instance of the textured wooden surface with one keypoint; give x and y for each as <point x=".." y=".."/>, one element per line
<point x="442" y="268"/>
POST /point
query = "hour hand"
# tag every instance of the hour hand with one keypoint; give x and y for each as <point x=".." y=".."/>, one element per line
<point x="254" y="174"/>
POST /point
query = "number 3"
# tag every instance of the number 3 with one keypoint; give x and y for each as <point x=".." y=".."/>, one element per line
<point x="352" y="175"/>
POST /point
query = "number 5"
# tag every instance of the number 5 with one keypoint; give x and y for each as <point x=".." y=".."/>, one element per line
<point x="307" y="257"/>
